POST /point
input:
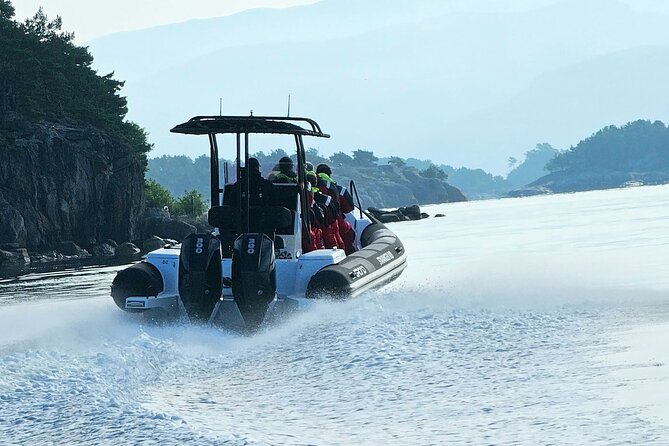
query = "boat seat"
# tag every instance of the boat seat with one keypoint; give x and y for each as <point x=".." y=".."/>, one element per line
<point x="285" y="195"/>
<point x="223" y="217"/>
<point x="270" y="220"/>
<point x="231" y="196"/>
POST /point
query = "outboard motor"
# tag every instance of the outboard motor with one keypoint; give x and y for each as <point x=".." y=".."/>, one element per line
<point x="253" y="277"/>
<point x="200" y="280"/>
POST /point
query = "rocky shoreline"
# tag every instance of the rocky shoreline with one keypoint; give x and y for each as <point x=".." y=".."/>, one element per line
<point x="593" y="179"/>
<point x="13" y="257"/>
<point x="158" y="230"/>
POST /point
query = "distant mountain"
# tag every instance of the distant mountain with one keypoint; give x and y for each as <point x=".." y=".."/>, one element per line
<point x="146" y="52"/>
<point x="576" y="100"/>
<point x="400" y="76"/>
<point x="478" y="184"/>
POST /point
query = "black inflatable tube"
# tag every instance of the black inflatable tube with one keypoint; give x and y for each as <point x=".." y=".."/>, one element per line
<point x="380" y="260"/>
<point x="140" y="279"/>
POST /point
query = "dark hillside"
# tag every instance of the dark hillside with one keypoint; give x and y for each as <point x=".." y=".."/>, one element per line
<point x="639" y="146"/>
<point x="71" y="167"/>
<point x="636" y="153"/>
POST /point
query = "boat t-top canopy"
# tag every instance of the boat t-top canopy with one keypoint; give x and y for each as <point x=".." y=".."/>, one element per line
<point x="207" y="125"/>
<point x="242" y="127"/>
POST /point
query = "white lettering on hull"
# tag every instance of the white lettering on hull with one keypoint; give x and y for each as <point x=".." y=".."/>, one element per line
<point x="385" y="258"/>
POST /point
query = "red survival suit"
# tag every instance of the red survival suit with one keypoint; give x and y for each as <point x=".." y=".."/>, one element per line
<point x="341" y="230"/>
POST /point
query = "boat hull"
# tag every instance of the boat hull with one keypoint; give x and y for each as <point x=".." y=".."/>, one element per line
<point x="156" y="285"/>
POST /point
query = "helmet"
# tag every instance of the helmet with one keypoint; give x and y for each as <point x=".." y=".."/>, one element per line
<point x="285" y="164"/>
<point x="312" y="178"/>
<point x="324" y="168"/>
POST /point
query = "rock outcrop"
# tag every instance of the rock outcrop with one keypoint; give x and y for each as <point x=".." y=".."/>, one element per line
<point x="153" y="243"/>
<point x="127" y="250"/>
<point x="167" y="228"/>
<point x="59" y="182"/>
<point x="407" y="213"/>
<point x="16" y="257"/>
<point x="595" y="179"/>
<point x="390" y="186"/>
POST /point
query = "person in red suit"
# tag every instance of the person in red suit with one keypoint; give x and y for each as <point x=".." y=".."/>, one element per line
<point x="345" y="234"/>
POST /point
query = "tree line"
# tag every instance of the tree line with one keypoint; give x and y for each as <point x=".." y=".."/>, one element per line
<point x="181" y="175"/>
<point x="44" y="76"/>
<point x="190" y="204"/>
<point x="639" y="146"/>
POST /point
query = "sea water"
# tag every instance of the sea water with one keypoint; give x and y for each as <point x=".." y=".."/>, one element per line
<point x="500" y="331"/>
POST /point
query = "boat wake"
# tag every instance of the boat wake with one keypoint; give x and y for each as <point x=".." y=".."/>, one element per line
<point x="502" y="344"/>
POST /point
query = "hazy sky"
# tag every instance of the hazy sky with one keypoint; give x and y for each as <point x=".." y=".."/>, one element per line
<point x="89" y="19"/>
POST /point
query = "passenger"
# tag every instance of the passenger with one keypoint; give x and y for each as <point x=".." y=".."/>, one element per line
<point x="345" y="202"/>
<point x="260" y="188"/>
<point x="286" y="173"/>
<point x="264" y="186"/>
<point x="272" y="175"/>
<point x="311" y="243"/>
<point x="324" y="213"/>
<point x="325" y="183"/>
<point x="327" y="187"/>
<point x="315" y="241"/>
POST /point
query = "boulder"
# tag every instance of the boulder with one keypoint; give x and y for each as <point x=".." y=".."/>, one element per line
<point x="153" y="243"/>
<point x="17" y="257"/>
<point x="388" y="217"/>
<point x="45" y="257"/>
<point x="173" y="229"/>
<point x="110" y="242"/>
<point x="127" y="249"/>
<point x="402" y="214"/>
<point x="69" y="248"/>
<point x="413" y="212"/>
<point x="439" y="215"/>
<point x="103" y="250"/>
<point x="171" y="242"/>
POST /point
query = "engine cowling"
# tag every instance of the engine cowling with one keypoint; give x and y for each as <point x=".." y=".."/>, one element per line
<point x="253" y="277"/>
<point x="200" y="281"/>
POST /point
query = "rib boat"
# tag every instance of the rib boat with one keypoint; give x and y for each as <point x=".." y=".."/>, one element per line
<point x="252" y="268"/>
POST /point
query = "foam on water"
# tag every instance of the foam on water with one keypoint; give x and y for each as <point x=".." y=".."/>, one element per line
<point x="494" y="334"/>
